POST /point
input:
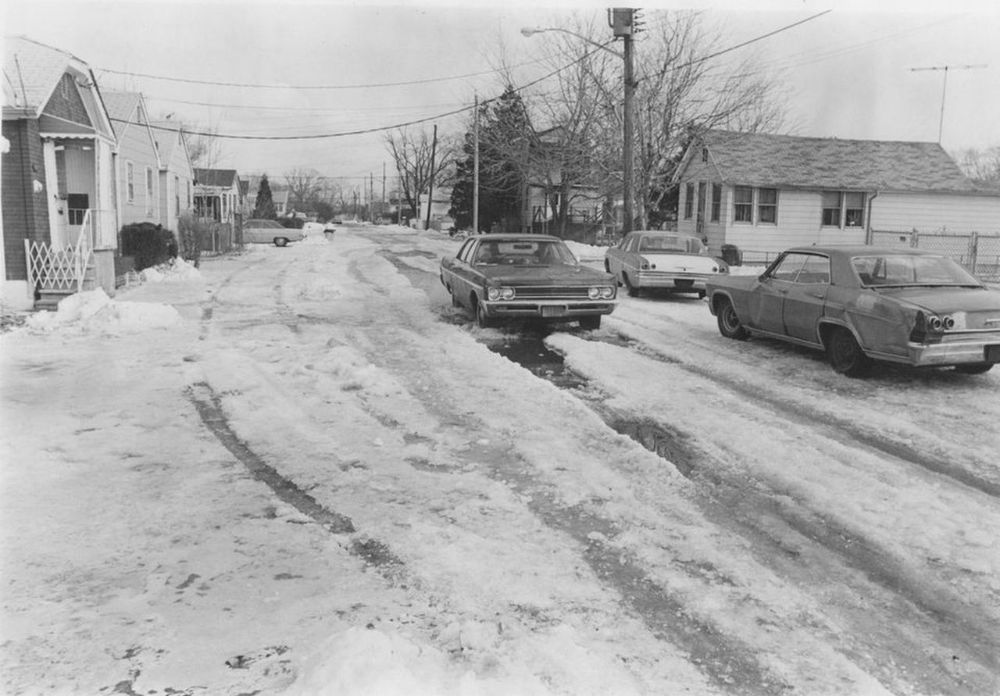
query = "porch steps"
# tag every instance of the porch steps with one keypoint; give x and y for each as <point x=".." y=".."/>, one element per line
<point x="49" y="298"/>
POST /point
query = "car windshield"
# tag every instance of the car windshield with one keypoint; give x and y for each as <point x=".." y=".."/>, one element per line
<point x="674" y="243"/>
<point x="525" y="252"/>
<point x="907" y="269"/>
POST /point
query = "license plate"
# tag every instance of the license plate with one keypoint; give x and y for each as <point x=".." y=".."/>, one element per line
<point x="553" y="311"/>
<point x="992" y="354"/>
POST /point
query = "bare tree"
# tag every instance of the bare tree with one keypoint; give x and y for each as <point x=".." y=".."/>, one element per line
<point x="411" y="154"/>
<point x="980" y="165"/>
<point x="204" y="148"/>
<point x="304" y="186"/>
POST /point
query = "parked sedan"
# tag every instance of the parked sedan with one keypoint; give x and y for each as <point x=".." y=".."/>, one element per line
<point x="507" y="276"/>
<point x="862" y="303"/>
<point x="664" y="260"/>
<point x="270" y="232"/>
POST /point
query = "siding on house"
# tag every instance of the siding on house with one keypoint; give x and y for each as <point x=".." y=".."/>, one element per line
<point x="136" y="146"/>
<point x="25" y="213"/>
<point x="900" y="212"/>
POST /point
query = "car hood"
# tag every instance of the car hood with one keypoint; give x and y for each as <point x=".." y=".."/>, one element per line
<point x="544" y="275"/>
<point x="944" y="300"/>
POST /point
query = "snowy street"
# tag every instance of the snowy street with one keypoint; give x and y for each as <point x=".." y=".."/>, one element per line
<point x="301" y="471"/>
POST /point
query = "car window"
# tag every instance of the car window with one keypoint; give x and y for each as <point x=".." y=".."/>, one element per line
<point x="909" y="269"/>
<point x="788" y="267"/>
<point x="814" y="270"/>
<point x="463" y="253"/>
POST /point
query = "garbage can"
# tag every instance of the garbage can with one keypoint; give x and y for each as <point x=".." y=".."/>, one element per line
<point x="731" y="255"/>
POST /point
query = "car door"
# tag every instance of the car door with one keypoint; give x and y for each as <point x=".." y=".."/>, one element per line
<point x="805" y="299"/>
<point x="768" y="299"/>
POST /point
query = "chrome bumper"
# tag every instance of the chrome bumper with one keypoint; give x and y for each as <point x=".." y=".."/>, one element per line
<point x="955" y="352"/>
<point x="548" y="309"/>
<point x="647" y="279"/>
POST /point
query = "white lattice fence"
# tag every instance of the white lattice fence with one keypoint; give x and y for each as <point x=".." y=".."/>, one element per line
<point x="58" y="268"/>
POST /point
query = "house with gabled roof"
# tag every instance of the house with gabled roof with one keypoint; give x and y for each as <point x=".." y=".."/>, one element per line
<point x="764" y="193"/>
<point x="176" y="173"/>
<point x="218" y="201"/>
<point x="137" y="159"/>
<point x="58" y="192"/>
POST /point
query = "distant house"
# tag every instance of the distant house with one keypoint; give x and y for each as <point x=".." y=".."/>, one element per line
<point x="440" y="219"/>
<point x="58" y="192"/>
<point x="217" y="200"/>
<point x="764" y="193"/>
<point x="176" y="174"/>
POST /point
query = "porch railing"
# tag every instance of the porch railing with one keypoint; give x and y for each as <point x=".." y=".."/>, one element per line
<point x="60" y="268"/>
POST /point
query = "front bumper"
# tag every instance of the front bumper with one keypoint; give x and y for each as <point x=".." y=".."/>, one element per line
<point x="548" y="309"/>
<point x="956" y="352"/>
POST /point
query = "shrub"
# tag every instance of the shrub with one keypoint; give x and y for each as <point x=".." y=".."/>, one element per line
<point x="149" y="244"/>
<point x="192" y="232"/>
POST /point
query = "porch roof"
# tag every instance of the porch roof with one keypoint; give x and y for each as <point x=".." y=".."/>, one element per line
<point x="784" y="161"/>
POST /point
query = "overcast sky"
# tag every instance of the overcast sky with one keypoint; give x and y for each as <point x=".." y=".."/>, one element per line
<point x="848" y="73"/>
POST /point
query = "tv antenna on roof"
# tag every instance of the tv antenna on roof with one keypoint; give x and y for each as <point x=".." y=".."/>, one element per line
<point x="946" y="68"/>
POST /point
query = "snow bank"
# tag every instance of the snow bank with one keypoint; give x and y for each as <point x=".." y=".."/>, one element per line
<point x="93" y="310"/>
<point x="175" y="270"/>
<point x="586" y="252"/>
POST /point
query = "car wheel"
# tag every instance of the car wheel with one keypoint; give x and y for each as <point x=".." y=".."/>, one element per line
<point x="482" y="318"/>
<point x="730" y="325"/>
<point x="280" y="241"/>
<point x="845" y="354"/>
<point x="631" y="289"/>
<point x="974" y="368"/>
<point x="590" y="322"/>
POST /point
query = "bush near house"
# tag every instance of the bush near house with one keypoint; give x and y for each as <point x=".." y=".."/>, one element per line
<point x="192" y="232"/>
<point x="149" y="244"/>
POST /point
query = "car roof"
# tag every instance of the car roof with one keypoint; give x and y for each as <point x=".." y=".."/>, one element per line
<point x="861" y="250"/>
<point x="513" y="236"/>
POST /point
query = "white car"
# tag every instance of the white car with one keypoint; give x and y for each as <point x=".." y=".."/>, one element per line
<point x="668" y="261"/>
<point x="269" y="232"/>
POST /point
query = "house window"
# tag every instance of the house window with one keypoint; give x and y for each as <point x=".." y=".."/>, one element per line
<point x="854" y="209"/>
<point x="767" y="205"/>
<point x="130" y="181"/>
<point x="716" y="202"/>
<point x="831" y="209"/>
<point x="688" y="201"/>
<point x="743" y="204"/>
<point x="704" y="154"/>
<point x="149" y="191"/>
<point x="177" y="195"/>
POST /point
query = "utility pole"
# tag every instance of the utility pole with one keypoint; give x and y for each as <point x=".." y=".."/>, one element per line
<point x="381" y="208"/>
<point x="430" y="188"/>
<point x="475" y="170"/>
<point x="371" y="197"/>
<point x="622" y="22"/>
<point x="945" y="69"/>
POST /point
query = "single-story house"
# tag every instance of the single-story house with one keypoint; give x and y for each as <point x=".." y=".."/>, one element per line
<point x="137" y="159"/>
<point x="218" y="201"/>
<point x="764" y="193"/>
<point x="176" y="173"/>
<point x="58" y="192"/>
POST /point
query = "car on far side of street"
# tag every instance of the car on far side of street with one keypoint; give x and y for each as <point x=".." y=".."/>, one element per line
<point x="526" y="276"/>
<point x="862" y="303"/>
<point x="270" y="232"/>
<point x="667" y="261"/>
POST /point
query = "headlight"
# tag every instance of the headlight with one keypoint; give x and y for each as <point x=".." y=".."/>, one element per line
<point x="607" y="293"/>
<point x="501" y="293"/>
<point x="594" y="293"/>
<point x="601" y="293"/>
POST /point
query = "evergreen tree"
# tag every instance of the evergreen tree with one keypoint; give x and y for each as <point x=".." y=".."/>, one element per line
<point x="264" y="208"/>
<point x="504" y="136"/>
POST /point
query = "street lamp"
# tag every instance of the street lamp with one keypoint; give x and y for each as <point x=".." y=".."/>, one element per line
<point x="620" y="19"/>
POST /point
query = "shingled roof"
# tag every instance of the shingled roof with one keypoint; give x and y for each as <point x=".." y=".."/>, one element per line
<point x="215" y="177"/>
<point x="121" y="108"/>
<point x="791" y="162"/>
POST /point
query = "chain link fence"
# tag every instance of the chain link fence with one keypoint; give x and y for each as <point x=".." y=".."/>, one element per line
<point x="977" y="253"/>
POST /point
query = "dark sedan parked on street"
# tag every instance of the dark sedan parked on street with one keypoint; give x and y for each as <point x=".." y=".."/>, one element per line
<point x="509" y="276"/>
<point x="861" y="303"/>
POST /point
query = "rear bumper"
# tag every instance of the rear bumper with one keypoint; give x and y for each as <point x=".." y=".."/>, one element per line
<point x="670" y="281"/>
<point x="548" y="309"/>
<point x="962" y="352"/>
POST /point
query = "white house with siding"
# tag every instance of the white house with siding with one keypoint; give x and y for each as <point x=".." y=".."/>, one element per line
<point x="137" y="159"/>
<point x="764" y="193"/>
<point x="176" y="175"/>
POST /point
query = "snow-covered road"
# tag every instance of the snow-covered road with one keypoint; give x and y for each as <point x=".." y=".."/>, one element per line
<point x="314" y="477"/>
